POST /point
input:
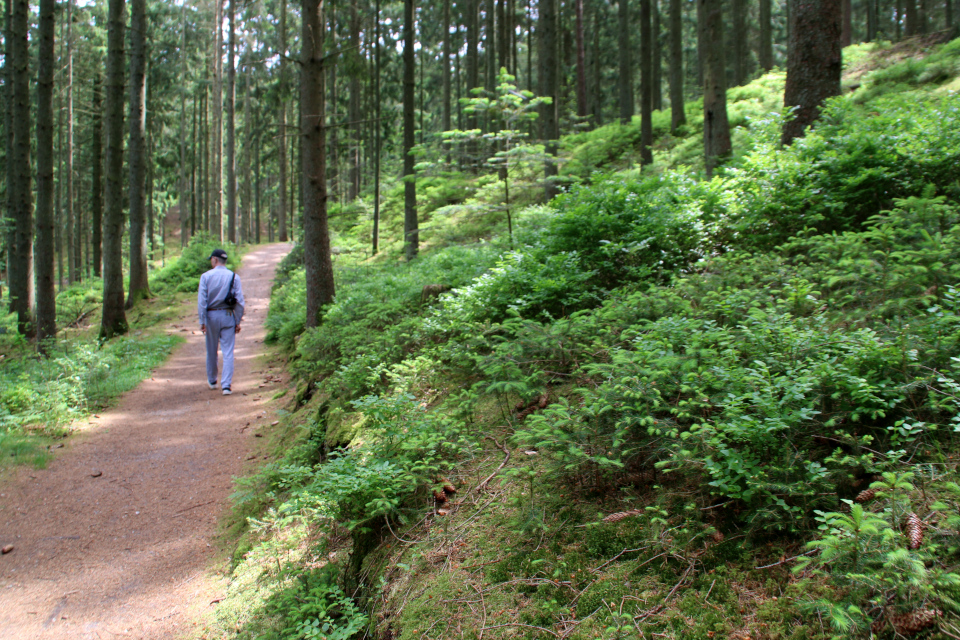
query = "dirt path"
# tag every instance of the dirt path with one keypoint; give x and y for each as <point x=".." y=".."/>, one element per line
<point x="128" y="553"/>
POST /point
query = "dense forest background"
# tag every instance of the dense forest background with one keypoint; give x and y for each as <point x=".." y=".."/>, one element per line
<point x="605" y="319"/>
<point x="132" y="127"/>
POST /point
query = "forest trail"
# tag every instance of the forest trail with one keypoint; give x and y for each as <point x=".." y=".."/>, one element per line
<point x="128" y="553"/>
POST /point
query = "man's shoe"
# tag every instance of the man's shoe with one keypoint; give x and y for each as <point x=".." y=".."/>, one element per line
<point x="226" y="391"/>
<point x="211" y="385"/>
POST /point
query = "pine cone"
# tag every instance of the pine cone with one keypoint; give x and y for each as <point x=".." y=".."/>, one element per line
<point x="617" y="517"/>
<point x="717" y="536"/>
<point x="914" y="531"/>
<point x="439" y="497"/>
<point x="542" y="402"/>
<point x="879" y="624"/>
<point x="520" y="406"/>
<point x="914" y="621"/>
<point x="448" y="487"/>
<point x="866" y="495"/>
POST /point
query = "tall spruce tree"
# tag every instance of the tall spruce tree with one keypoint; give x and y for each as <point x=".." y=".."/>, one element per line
<point x="113" y="321"/>
<point x="137" y="160"/>
<point x="814" y="63"/>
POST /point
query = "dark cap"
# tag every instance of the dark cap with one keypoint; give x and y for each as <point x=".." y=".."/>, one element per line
<point x="219" y="253"/>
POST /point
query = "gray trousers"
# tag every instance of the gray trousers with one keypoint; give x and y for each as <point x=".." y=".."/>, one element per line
<point x="221" y="332"/>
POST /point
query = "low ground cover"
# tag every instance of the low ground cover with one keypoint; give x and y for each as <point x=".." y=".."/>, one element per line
<point x="670" y="406"/>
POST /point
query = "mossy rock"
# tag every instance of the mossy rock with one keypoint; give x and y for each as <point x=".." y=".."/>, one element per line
<point x="343" y="427"/>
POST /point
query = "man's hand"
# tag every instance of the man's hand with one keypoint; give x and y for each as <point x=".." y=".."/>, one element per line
<point x="237" y="328"/>
<point x="203" y="329"/>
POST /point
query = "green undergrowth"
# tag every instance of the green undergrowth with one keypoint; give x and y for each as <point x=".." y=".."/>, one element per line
<point x="41" y="397"/>
<point x="666" y="407"/>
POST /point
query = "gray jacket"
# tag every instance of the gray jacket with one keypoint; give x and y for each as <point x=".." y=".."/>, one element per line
<point x="213" y="290"/>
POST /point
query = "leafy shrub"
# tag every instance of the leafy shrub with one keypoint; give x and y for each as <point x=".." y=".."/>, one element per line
<point x="748" y="377"/>
<point x="885" y="571"/>
<point x="184" y="273"/>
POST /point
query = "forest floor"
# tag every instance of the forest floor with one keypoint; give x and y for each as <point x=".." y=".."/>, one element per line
<point x="117" y="537"/>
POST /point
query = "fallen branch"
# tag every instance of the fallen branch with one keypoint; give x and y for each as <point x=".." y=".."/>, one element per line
<point x="483" y="485"/>
<point x="526" y="626"/>
<point x="786" y="560"/>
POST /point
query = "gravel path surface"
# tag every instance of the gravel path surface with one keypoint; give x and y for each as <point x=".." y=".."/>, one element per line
<point x="128" y="553"/>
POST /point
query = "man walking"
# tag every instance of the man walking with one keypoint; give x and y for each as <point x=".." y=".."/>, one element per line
<point x="220" y="306"/>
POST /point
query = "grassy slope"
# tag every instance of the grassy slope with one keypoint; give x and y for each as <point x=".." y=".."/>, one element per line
<point x="531" y="555"/>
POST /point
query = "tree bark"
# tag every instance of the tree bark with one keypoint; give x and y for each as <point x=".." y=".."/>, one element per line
<point x="96" y="175"/>
<point x="375" y="234"/>
<point x="657" y="72"/>
<point x="626" y="66"/>
<point x="216" y="108"/>
<point x="445" y="119"/>
<point x="549" y="81"/>
<point x="716" y="125"/>
<point x="765" y="50"/>
<point x="581" y="63"/>
<point x="74" y="235"/>
<point x="813" y="63"/>
<point x="739" y="42"/>
<point x="113" y="321"/>
<point x="646" y="84"/>
<point x="139" y="285"/>
<point x="246" y="207"/>
<point x="282" y="133"/>
<point x="490" y="47"/>
<point x="846" y="25"/>
<point x="354" y="115"/>
<point x="316" y="237"/>
<point x="231" y="146"/>
<point x="185" y="228"/>
<point x="872" y="19"/>
<point x="678" y="116"/>
<point x="912" y="26"/>
<point x="20" y="202"/>
<point x="473" y="72"/>
<point x="411" y="232"/>
<point x="44" y="249"/>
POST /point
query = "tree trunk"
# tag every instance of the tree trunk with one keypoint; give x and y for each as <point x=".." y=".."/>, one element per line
<point x="20" y="202"/>
<point x="846" y="25"/>
<point x="596" y="66"/>
<point x="411" y="232"/>
<point x="503" y="39"/>
<point x="678" y="116"/>
<point x="216" y="157"/>
<point x="657" y="72"/>
<point x="245" y="156"/>
<point x="716" y="126"/>
<point x="765" y="50"/>
<point x="473" y="72"/>
<point x="231" y="146"/>
<point x="96" y="173"/>
<point x="872" y="19"/>
<point x="813" y="63"/>
<point x="445" y="120"/>
<point x="912" y="26"/>
<point x="581" y="63"/>
<point x="375" y="240"/>
<point x="282" y="133"/>
<point x="139" y="285"/>
<point x="73" y="235"/>
<point x="739" y="42"/>
<point x="113" y="321"/>
<point x="44" y="250"/>
<point x="549" y="80"/>
<point x="626" y="66"/>
<point x="354" y="116"/>
<point x="316" y="237"/>
<point x="256" y="168"/>
<point x="184" y="227"/>
<point x="490" y="47"/>
<point x="646" y="84"/>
